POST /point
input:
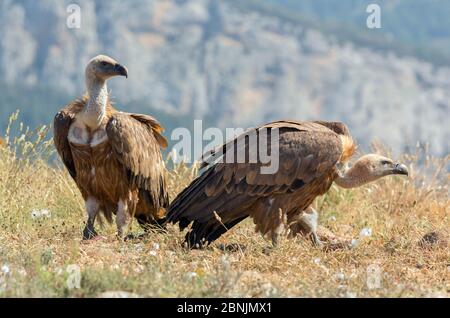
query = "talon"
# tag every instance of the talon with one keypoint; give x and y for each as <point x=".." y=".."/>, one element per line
<point x="316" y="240"/>
<point x="89" y="234"/>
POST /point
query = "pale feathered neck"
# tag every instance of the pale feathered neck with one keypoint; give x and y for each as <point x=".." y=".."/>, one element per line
<point x="95" y="109"/>
<point x="353" y="177"/>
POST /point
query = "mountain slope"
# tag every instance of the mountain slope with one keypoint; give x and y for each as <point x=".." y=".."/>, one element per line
<point x="233" y="63"/>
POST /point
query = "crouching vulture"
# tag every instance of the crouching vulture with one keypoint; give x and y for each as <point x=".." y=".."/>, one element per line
<point x="114" y="157"/>
<point x="312" y="155"/>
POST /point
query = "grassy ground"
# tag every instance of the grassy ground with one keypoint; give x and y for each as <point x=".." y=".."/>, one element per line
<point x="41" y="252"/>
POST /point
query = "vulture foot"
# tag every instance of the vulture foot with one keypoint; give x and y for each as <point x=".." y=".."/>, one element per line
<point x="307" y="225"/>
<point x="123" y="218"/>
<point x="316" y="240"/>
<point x="89" y="233"/>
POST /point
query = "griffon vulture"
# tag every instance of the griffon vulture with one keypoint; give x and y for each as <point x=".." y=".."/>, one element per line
<point x="312" y="155"/>
<point x="114" y="157"/>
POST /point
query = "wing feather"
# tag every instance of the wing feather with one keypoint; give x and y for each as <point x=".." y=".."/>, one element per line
<point x="61" y="126"/>
<point x="136" y="141"/>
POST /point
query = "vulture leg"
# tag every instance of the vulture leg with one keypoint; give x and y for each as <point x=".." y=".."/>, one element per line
<point x="306" y="224"/>
<point x="275" y="237"/>
<point x="279" y="227"/>
<point x="92" y="209"/>
<point x="123" y="218"/>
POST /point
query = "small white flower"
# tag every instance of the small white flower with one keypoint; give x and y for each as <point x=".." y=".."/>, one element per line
<point x="354" y="243"/>
<point x="191" y="275"/>
<point x="115" y="267"/>
<point x="339" y="276"/>
<point x="35" y="214"/>
<point x="365" y="232"/>
<point x="153" y="253"/>
<point x="332" y="219"/>
<point x="46" y="213"/>
<point x="155" y="246"/>
<point x="317" y="261"/>
<point x="5" y="269"/>
<point x="38" y="214"/>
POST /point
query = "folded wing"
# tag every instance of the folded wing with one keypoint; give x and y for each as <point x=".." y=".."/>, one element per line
<point x="136" y="141"/>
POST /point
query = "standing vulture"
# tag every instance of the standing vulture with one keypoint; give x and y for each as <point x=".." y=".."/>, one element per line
<point x="114" y="157"/>
<point x="312" y="155"/>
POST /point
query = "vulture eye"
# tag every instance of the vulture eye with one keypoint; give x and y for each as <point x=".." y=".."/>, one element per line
<point x="385" y="162"/>
<point x="104" y="63"/>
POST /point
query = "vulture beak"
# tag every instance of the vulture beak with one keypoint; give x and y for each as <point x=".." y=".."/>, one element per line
<point x="121" y="70"/>
<point x="400" y="169"/>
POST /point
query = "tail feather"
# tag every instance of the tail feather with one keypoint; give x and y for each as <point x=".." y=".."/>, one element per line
<point x="210" y="216"/>
<point x="187" y="197"/>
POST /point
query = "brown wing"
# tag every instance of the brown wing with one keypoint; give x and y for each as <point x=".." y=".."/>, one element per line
<point x="338" y="127"/>
<point x="306" y="151"/>
<point x="136" y="141"/>
<point x="61" y="125"/>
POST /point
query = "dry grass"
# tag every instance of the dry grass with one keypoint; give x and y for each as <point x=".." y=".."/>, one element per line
<point x="35" y="252"/>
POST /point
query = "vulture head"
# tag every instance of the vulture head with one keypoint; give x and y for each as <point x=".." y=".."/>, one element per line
<point x="369" y="168"/>
<point x="103" y="67"/>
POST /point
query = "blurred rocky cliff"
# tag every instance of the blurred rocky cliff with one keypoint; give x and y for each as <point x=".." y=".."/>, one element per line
<point x="233" y="64"/>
